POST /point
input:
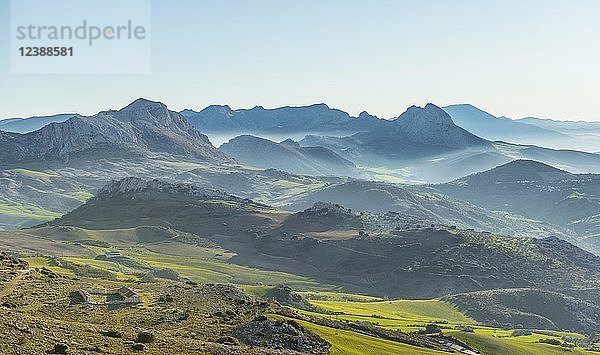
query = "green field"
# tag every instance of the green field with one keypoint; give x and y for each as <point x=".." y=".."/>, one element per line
<point x="39" y="175"/>
<point x="411" y="316"/>
<point x="348" y="342"/>
<point x="337" y="296"/>
<point x="82" y="196"/>
<point x="204" y="264"/>
<point x="492" y="341"/>
<point x="120" y="272"/>
<point x="204" y="270"/>
<point x="43" y="262"/>
<point x="15" y="208"/>
<point x="414" y="310"/>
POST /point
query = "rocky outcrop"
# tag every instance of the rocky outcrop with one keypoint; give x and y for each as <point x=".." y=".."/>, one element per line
<point x="287" y="334"/>
<point x="133" y="184"/>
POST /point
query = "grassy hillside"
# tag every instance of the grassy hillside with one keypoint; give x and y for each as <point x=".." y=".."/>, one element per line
<point x="492" y="342"/>
<point x="416" y="310"/>
<point x="147" y="248"/>
<point x="412" y="316"/>
<point x="424" y="203"/>
<point x="205" y="264"/>
<point x="537" y="191"/>
<point x="536" y="308"/>
<point x="349" y="343"/>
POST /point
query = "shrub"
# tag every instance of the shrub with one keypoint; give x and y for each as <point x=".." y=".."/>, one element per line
<point x="550" y="341"/>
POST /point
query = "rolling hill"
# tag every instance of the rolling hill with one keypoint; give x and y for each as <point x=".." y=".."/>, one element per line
<point x="576" y="310"/>
<point x="425" y="204"/>
<point x="288" y="156"/>
<point x="401" y="262"/>
<point x="133" y="202"/>
<point x="534" y="190"/>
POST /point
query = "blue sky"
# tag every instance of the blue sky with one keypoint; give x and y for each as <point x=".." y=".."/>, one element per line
<point x="514" y="58"/>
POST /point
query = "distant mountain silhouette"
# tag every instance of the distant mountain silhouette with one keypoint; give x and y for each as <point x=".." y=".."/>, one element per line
<point x="30" y="124"/>
<point x="288" y="156"/>
<point x="567" y="127"/>
<point x="541" y="132"/>
<point x="491" y="127"/>
<point x="314" y="118"/>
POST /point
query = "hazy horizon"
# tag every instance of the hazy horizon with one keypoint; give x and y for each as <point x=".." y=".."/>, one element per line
<point x="274" y="107"/>
<point x="510" y="58"/>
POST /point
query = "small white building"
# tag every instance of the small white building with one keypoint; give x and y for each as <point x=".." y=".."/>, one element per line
<point x="112" y="254"/>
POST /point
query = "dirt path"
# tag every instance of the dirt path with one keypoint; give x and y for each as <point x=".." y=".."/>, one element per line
<point x="10" y="286"/>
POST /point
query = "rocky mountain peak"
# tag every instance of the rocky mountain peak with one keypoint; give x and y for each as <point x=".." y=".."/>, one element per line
<point x="430" y="114"/>
<point x="364" y="115"/>
<point x="146" y="110"/>
<point x="142" y="126"/>
<point x="290" y="142"/>
<point x="221" y="110"/>
<point x="144" y="104"/>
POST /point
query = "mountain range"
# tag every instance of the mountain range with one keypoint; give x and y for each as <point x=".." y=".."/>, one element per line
<point x="288" y="156"/>
<point x="141" y="127"/>
<point x="148" y="140"/>
<point x="320" y="119"/>
<point x="424" y="142"/>
<point x="537" y="191"/>
<point x="476" y="233"/>
<point x="584" y="136"/>
<point x="316" y="118"/>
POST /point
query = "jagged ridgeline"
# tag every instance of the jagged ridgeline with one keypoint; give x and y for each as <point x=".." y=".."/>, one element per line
<point x="140" y="128"/>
